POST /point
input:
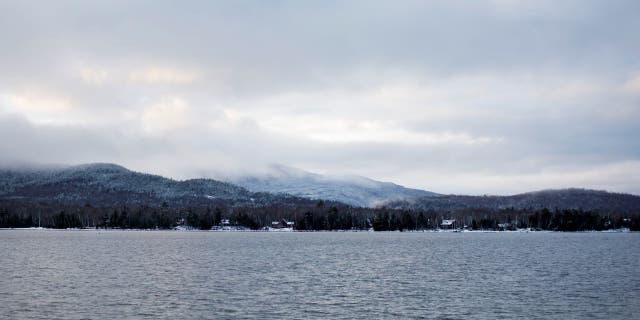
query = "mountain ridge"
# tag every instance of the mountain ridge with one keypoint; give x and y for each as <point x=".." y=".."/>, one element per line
<point x="350" y="189"/>
<point x="107" y="184"/>
<point x="568" y="198"/>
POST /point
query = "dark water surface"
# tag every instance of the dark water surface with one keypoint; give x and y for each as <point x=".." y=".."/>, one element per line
<point x="198" y="275"/>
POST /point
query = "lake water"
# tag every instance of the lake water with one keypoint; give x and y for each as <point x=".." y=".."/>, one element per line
<point x="198" y="275"/>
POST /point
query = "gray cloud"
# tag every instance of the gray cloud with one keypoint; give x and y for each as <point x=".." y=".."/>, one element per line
<point x="480" y="97"/>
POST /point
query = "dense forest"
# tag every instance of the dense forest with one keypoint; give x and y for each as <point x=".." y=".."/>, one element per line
<point x="317" y="217"/>
<point x="579" y="199"/>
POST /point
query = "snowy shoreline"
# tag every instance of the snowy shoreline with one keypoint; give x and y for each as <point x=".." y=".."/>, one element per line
<point x="622" y="230"/>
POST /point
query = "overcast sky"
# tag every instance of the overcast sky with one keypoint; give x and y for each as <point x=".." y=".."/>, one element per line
<point x="478" y="97"/>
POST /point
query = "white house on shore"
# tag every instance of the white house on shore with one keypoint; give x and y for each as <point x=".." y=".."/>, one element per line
<point x="282" y="224"/>
<point x="448" y="224"/>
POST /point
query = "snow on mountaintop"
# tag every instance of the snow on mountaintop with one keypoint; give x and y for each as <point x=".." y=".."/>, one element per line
<point x="350" y="189"/>
<point x="109" y="184"/>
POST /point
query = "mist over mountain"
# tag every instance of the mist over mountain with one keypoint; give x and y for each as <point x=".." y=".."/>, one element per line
<point x="350" y="189"/>
<point x="104" y="184"/>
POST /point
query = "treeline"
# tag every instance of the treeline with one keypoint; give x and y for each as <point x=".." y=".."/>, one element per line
<point x="320" y="216"/>
<point x="600" y="201"/>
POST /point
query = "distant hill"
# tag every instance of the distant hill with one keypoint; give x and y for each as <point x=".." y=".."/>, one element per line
<point x="584" y="199"/>
<point x="103" y="184"/>
<point x="353" y="190"/>
<point x="108" y="185"/>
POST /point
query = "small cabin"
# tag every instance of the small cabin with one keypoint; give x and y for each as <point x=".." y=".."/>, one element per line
<point x="504" y="226"/>
<point x="282" y="224"/>
<point x="448" y="223"/>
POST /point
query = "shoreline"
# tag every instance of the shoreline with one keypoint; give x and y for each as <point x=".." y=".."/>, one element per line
<point x="622" y="230"/>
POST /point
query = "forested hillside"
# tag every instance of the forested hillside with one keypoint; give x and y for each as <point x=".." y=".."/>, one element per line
<point x="106" y="185"/>
<point x="577" y="199"/>
<point x="110" y="196"/>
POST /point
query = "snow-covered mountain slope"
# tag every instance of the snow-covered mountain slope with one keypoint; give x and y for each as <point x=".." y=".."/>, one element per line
<point x="104" y="184"/>
<point x="353" y="190"/>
